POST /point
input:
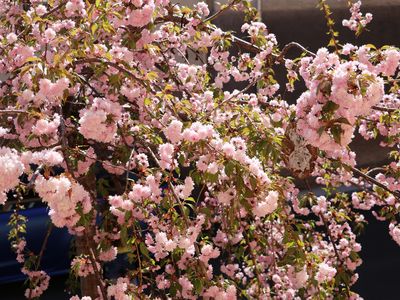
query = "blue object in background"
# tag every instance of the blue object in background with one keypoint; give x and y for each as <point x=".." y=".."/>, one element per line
<point x="55" y="258"/>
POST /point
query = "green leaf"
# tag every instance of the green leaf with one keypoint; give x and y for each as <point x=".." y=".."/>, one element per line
<point x="198" y="286"/>
<point x="330" y="107"/>
<point x="33" y="59"/>
<point x="336" y="131"/>
<point x="143" y="249"/>
<point x="173" y="289"/>
<point x="229" y="168"/>
<point x="343" y="120"/>
<point x="94" y="28"/>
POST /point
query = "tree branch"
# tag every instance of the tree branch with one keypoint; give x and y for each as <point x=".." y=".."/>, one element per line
<point x="287" y="47"/>
<point x="243" y="43"/>
<point x="371" y="180"/>
<point x="384" y="109"/>
<point x="12" y="111"/>
<point x="221" y="11"/>
<point x="114" y="65"/>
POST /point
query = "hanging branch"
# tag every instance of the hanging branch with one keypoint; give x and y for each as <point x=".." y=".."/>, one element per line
<point x="243" y="44"/>
<point x="330" y="23"/>
<point x="371" y="180"/>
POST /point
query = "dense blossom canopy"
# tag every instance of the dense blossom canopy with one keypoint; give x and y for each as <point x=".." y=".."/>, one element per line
<point x="120" y="115"/>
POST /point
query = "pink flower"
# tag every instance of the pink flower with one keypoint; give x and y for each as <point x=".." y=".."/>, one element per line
<point x="162" y="283"/>
<point x="202" y="8"/>
<point x="21" y="53"/>
<point x="82" y="266"/>
<point x="99" y="121"/>
<point x="119" y="290"/>
<point x="161" y="246"/>
<point x="75" y="7"/>
<point x="51" y="92"/>
<point x="11" y="37"/>
<point x="226" y="197"/>
<point x="187" y="287"/>
<point x="185" y="190"/>
<point x="49" y="34"/>
<point x="47" y="127"/>
<point x="357" y="19"/>
<point x="198" y="131"/>
<point x="10" y="171"/>
<point x="174" y="131"/>
<point x="395" y="232"/>
<point x="267" y="206"/>
<point x="41" y="283"/>
<point x="325" y="273"/>
<point x="389" y="66"/>
<point x="166" y="152"/>
<point x="41" y="10"/>
<point x="208" y="252"/>
<point x="141" y="16"/>
<point x="108" y="255"/>
<point x="228" y="149"/>
<point x="62" y="196"/>
<point x="44" y="157"/>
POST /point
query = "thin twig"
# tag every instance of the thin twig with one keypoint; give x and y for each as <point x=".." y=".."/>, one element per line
<point x="114" y="65"/>
<point x="12" y="111"/>
<point x="234" y="95"/>
<point x="379" y="169"/>
<point x="129" y="164"/>
<point x="83" y="79"/>
<point x="104" y="162"/>
<point x="238" y="41"/>
<point x="372" y="180"/>
<point x="46" y="238"/>
<point x="385" y="109"/>
<point x="287" y="47"/>
<point x="221" y="11"/>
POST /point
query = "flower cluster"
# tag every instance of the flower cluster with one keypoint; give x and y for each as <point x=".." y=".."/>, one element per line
<point x="99" y="121"/>
<point x="42" y="283"/>
<point x="82" y="266"/>
<point x="63" y="196"/>
<point x="357" y="21"/>
<point x="49" y="92"/>
<point x="152" y="133"/>
<point x="10" y="171"/>
<point x="338" y="93"/>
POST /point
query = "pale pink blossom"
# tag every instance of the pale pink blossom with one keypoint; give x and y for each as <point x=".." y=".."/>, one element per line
<point x="268" y="205"/>
<point x="174" y="131"/>
<point x="10" y="171"/>
<point x="325" y="273"/>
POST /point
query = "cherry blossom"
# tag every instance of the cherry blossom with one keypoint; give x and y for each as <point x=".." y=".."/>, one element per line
<point x="149" y="132"/>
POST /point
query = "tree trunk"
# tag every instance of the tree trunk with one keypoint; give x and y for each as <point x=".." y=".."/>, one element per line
<point x="211" y="7"/>
<point x="88" y="283"/>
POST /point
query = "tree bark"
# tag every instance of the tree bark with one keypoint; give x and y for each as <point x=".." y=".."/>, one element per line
<point x="89" y="283"/>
